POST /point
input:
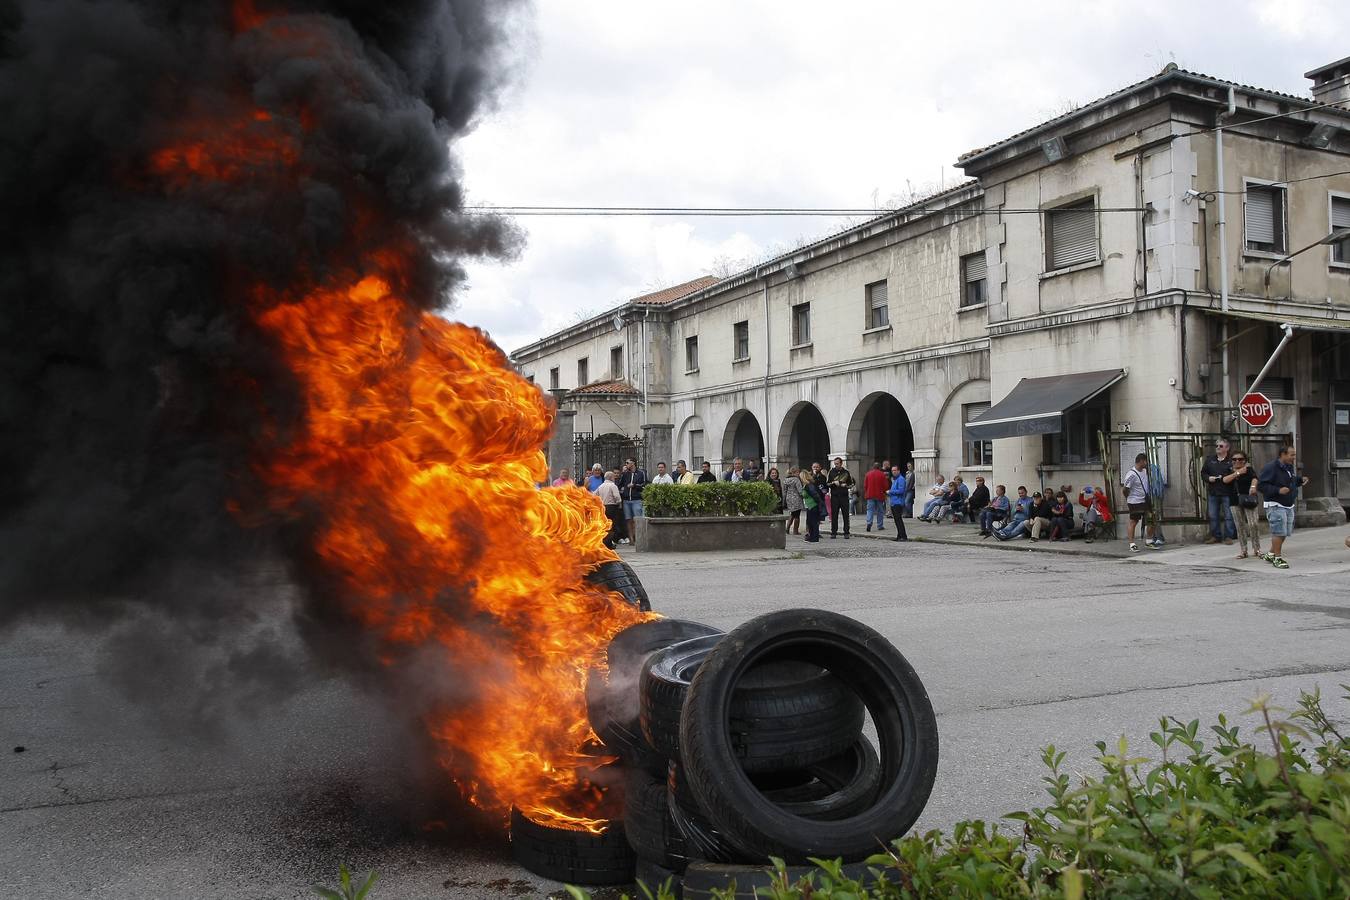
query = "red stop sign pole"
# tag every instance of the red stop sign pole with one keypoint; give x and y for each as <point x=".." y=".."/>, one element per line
<point x="1255" y="409"/>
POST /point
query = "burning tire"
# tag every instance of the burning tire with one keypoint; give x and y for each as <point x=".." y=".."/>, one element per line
<point x="875" y="671"/>
<point x="612" y="698"/>
<point x="619" y="576"/>
<point x="784" y="715"/>
<point x="574" y="857"/>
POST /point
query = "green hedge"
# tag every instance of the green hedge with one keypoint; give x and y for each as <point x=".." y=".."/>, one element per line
<point x="1204" y="818"/>
<point x="716" y="498"/>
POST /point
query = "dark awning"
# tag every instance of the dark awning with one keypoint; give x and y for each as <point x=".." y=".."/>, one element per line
<point x="1037" y="405"/>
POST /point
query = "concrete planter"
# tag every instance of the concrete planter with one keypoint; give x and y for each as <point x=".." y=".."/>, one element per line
<point x="693" y="534"/>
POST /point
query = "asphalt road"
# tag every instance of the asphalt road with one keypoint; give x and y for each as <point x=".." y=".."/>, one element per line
<point x="1017" y="650"/>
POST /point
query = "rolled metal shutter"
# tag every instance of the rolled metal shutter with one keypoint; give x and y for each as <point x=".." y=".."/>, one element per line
<point x="1260" y="215"/>
<point x="976" y="267"/>
<point x="1073" y="235"/>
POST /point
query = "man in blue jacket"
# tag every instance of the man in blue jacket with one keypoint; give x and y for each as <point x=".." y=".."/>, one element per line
<point x="1279" y="485"/>
<point x="896" y="497"/>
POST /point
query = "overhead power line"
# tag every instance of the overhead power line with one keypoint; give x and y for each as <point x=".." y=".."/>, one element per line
<point x="752" y="211"/>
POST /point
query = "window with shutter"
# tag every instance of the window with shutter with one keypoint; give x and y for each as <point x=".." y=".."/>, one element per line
<point x="878" y="309"/>
<point x="1340" y="218"/>
<point x="977" y="453"/>
<point x="974" y="283"/>
<point x="1264" y="211"/>
<point x="1071" y="235"/>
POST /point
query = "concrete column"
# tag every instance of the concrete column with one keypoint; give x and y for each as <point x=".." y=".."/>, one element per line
<point x="560" y="449"/>
<point x="925" y="469"/>
<point x="657" y="446"/>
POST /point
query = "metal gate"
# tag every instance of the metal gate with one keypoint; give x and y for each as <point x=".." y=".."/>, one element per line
<point x="1175" y="460"/>
<point x="609" y="450"/>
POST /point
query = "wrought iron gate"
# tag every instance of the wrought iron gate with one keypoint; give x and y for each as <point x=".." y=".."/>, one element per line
<point x="609" y="450"/>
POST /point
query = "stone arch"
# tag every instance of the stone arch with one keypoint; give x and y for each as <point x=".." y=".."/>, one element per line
<point x="880" y="429"/>
<point x="804" y="437"/>
<point x="688" y="445"/>
<point x="743" y="437"/>
<point x="947" y="437"/>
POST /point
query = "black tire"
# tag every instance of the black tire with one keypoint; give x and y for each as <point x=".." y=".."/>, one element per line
<point x="619" y="576"/>
<point x="572" y="857"/>
<point x="655" y="877"/>
<point x="650" y="830"/>
<point x="784" y="715"/>
<point x="699" y="840"/>
<point x="834" y="789"/>
<point x="612" y="697"/>
<point x="702" y="878"/>
<point x="868" y="664"/>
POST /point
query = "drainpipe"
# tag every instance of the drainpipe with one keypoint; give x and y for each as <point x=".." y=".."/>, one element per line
<point x="645" y="416"/>
<point x="1223" y="246"/>
<point x="768" y="367"/>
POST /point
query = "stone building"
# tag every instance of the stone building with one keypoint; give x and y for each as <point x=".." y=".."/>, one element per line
<point x="1124" y="267"/>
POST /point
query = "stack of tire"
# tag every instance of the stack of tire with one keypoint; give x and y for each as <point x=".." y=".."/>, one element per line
<point x="757" y="743"/>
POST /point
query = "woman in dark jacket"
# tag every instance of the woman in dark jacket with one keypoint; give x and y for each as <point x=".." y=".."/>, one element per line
<point x="1061" y="518"/>
<point x="777" y="484"/>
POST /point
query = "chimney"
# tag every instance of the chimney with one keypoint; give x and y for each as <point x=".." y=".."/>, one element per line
<point x="1331" y="83"/>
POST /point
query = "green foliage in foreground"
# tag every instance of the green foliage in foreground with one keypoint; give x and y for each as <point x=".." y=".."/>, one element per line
<point x="716" y="498"/>
<point x="1210" y="820"/>
<point x="347" y="889"/>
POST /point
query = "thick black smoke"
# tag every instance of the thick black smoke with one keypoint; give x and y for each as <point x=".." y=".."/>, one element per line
<point x="133" y="387"/>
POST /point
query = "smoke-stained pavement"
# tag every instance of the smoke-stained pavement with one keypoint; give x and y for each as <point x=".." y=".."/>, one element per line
<point x="1017" y="650"/>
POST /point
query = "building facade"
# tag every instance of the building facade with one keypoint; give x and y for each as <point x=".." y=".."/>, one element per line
<point x="1123" y="268"/>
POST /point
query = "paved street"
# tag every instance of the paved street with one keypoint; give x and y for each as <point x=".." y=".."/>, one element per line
<point x="1018" y="649"/>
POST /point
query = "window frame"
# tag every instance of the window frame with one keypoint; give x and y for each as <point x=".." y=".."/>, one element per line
<point x="690" y="343"/>
<point x="801" y="321"/>
<point x="616" y="374"/>
<point x="1338" y="430"/>
<point x="1332" y="261"/>
<point x="1280" y="222"/>
<point x="738" y="330"/>
<point x="697" y="447"/>
<point x="1062" y="442"/>
<point x="872" y="307"/>
<point x="583" y="371"/>
<point x="555" y="378"/>
<point x="977" y="453"/>
<point x="1063" y="206"/>
<point x="966" y="283"/>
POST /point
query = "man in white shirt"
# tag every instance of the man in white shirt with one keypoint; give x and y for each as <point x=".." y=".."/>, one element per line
<point x="661" y="476"/>
<point x="608" y="492"/>
<point x="1136" y="488"/>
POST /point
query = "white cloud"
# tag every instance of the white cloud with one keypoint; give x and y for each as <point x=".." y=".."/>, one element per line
<point x="798" y="104"/>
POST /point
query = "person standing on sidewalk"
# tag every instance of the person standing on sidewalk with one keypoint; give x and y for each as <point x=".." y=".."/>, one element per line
<point x="683" y="475"/>
<point x="631" y="484"/>
<point x="875" y="487"/>
<point x="840" y="480"/>
<point x="911" y="485"/>
<point x="661" y="476"/>
<point x="895" y="494"/>
<point x="1135" y="485"/>
<point x="1247" y="512"/>
<point x="608" y="492"/>
<point x="813" y="498"/>
<point x="1279" y="485"/>
<point x="792" y="501"/>
<point x="706" y="476"/>
<point x="1217" y="472"/>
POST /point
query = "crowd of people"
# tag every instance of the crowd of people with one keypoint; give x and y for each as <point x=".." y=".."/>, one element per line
<point x="809" y="495"/>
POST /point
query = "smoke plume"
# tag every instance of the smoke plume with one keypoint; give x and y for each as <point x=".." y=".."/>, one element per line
<point x="137" y="389"/>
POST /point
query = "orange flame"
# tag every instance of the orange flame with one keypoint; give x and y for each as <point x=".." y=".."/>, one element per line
<point x="420" y="458"/>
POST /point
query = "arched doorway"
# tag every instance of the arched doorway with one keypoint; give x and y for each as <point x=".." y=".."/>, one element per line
<point x="743" y="438"/>
<point x="881" y="430"/>
<point x="691" y="446"/>
<point x="804" y="438"/>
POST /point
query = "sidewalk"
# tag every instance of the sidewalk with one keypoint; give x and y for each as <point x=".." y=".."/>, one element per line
<point x="969" y="535"/>
<point x="1312" y="551"/>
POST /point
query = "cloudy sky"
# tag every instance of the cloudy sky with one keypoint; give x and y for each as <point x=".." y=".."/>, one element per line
<point x="757" y="103"/>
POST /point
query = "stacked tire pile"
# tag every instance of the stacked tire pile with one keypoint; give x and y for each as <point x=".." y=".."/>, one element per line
<point x="800" y="734"/>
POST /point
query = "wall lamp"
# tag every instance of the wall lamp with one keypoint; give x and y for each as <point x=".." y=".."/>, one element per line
<point x="1336" y="237"/>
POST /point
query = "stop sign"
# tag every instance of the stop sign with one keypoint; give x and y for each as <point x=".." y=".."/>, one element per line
<point x="1256" y="410"/>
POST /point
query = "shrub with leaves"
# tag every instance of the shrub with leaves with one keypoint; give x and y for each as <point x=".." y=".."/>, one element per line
<point x="347" y="889"/>
<point x="715" y="498"/>
<point x="1214" y="817"/>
